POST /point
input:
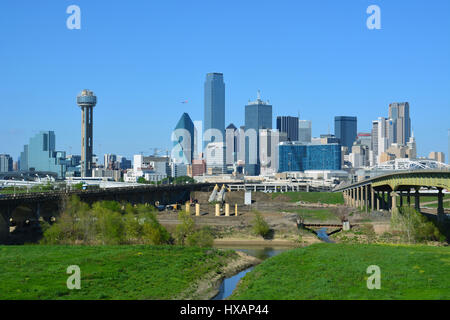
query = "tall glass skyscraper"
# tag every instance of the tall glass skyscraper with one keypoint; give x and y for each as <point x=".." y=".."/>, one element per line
<point x="258" y="115"/>
<point x="289" y="125"/>
<point x="304" y="131"/>
<point x="346" y="130"/>
<point x="214" y="113"/>
<point x="183" y="138"/>
<point x="399" y="113"/>
<point x="40" y="155"/>
<point x="6" y="163"/>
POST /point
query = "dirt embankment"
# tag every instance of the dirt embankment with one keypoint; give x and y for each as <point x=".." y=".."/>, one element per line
<point x="208" y="286"/>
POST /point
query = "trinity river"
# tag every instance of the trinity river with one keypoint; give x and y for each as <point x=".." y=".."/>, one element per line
<point x="262" y="253"/>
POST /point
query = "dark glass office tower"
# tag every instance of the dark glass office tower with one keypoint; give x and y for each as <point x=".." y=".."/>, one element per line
<point x="214" y="116"/>
<point x="346" y="130"/>
<point x="289" y="125"/>
<point x="258" y="115"/>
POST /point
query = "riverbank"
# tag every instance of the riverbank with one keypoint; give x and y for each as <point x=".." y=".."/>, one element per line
<point x="122" y="272"/>
<point x="339" y="271"/>
<point x="208" y="286"/>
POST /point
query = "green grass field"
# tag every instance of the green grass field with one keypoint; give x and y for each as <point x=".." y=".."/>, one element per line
<point x="318" y="215"/>
<point x="107" y="272"/>
<point x="313" y="197"/>
<point x="338" y="271"/>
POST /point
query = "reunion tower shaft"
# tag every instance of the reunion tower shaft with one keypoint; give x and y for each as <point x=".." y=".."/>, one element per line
<point x="86" y="100"/>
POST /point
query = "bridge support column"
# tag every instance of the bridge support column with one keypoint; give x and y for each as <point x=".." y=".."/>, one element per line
<point x="378" y="201"/>
<point x="417" y="200"/>
<point x="372" y="198"/>
<point x="394" y="210"/>
<point x="401" y="199"/>
<point x="187" y="207"/>
<point x="357" y="197"/>
<point x="235" y="210"/>
<point x="366" y="200"/>
<point x="347" y="197"/>
<point x="217" y="209"/>
<point x="361" y="202"/>
<point x="4" y="228"/>
<point x="440" y="210"/>
<point x="227" y="209"/>
<point x="354" y="197"/>
<point x="197" y="209"/>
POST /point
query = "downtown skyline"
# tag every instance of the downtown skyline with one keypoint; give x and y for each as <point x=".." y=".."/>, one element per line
<point x="347" y="70"/>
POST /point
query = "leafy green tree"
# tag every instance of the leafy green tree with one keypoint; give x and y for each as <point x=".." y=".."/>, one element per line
<point x="260" y="226"/>
<point x="415" y="226"/>
<point x="142" y="180"/>
<point x="185" y="228"/>
<point x="200" y="238"/>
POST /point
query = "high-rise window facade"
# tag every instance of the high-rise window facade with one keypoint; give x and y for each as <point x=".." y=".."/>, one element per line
<point x="183" y="140"/>
<point x="289" y="125"/>
<point x="399" y="113"/>
<point x="345" y="129"/>
<point x="294" y="156"/>
<point x="6" y="163"/>
<point x="304" y="131"/>
<point x="258" y="115"/>
<point x="40" y="155"/>
<point x="214" y="112"/>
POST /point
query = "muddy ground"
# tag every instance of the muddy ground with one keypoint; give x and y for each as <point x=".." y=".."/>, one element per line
<point x="280" y="213"/>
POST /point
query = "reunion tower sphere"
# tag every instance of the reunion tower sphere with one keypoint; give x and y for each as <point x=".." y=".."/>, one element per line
<point x="86" y="100"/>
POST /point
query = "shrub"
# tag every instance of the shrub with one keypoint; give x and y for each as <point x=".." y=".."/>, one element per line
<point x="153" y="231"/>
<point x="133" y="229"/>
<point x="185" y="228"/>
<point x="200" y="238"/>
<point x="260" y="226"/>
<point x="416" y="227"/>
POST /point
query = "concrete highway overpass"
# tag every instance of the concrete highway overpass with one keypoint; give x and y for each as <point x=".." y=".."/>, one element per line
<point x="390" y="191"/>
<point x="22" y="207"/>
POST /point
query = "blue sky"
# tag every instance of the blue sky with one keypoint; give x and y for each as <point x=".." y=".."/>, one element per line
<point x="142" y="58"/>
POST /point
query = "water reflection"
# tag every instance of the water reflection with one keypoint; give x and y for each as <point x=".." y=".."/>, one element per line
<point x="229" y="284"/>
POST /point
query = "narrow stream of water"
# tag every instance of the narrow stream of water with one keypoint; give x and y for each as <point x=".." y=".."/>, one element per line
<point x="322" y="235"/>
<point x="229" y="284"/>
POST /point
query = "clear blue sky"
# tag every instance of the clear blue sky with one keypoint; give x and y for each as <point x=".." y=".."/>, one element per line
<point x="142" y="58"/>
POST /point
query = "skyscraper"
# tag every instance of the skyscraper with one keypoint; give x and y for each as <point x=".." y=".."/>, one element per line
<point x="295" y="156"/>
<point x="86" y="100"/>
<point x="258" y="115"/>
<point x="345" y="129"/>
<point x="6" y="163"/>
<point x="214" y="112"/>
<point x="231" y="144"/>
<point x="289" y="125"/>
<point x="304" y="131"/>
<point x="399" y="113"/>
<point x="40" y="155"/>
<point x="382" y="137"/>
<point x="183" y="138"/>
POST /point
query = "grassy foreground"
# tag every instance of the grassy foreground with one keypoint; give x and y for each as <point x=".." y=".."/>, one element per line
<point x="338" y="271"/>
<point x="107" y="272"/>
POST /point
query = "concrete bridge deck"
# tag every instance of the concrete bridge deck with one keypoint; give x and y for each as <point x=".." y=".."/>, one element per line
<point x="388" y="192"/>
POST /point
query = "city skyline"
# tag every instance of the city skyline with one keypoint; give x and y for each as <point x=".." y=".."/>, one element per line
<point x="327" y="79"/>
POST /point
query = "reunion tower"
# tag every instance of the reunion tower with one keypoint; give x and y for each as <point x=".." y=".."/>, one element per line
<point x="87" y="101"/>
